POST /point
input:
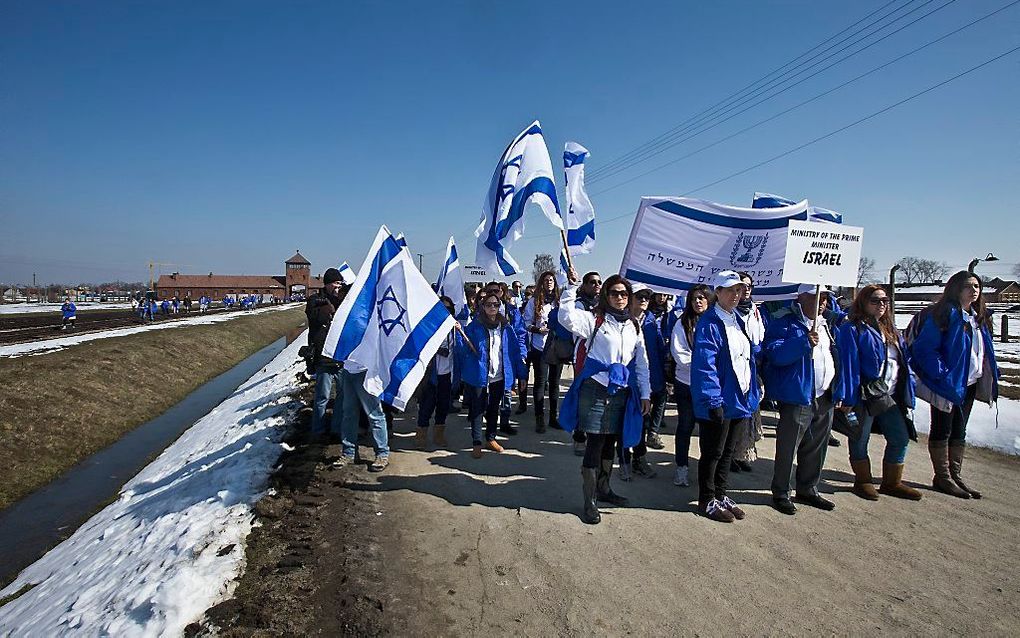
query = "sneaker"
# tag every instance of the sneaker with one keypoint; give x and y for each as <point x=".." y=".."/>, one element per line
<point x="643" y="468"/>
<point x="343" y="461"/>
<point x="733" y="508"/>
<point x="579" y="448"/>
<point x="680" y="477"/>
<point x="625" y="474"/>
<point x="655" y="441"/>
<point x="379" y="464"/>
<point x="715" y="511"/>
<point x="494" y="446"/>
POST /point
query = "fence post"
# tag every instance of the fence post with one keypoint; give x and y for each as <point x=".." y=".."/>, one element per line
<point x="1004" y="330"/>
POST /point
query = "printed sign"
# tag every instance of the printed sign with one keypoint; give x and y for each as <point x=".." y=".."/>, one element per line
<point x="475" y="272"/>
<point x="820" y="253"/>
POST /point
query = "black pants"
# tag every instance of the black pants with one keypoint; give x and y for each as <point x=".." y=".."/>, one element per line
<point x="544" y="374"/>
<point x="716" y="441"/>
<point x="952" y="426"/>
<point x="434" y="398"/>
<point x="483" y="401"/>
<point x="598" y="448"/>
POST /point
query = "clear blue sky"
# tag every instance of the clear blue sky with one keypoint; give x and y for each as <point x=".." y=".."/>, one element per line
<point x="222" y="136"/>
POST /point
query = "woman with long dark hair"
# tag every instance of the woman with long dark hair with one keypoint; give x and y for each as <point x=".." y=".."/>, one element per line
<point x="875" y="382"/>
<point x="611" y="395"/>
<point x="536" y="320"/>
<point x="954" y="359"/>
<point x="699" y="298"/>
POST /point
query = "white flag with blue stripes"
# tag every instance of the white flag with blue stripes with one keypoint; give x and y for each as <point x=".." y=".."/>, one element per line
<point x="451" y="280"/>
<point x="815" y="213"/>
<point x="524" y="174"/>
<point x="390" y="324"/>
<point x="347" y="273"/>
<point x="579" y="219"/>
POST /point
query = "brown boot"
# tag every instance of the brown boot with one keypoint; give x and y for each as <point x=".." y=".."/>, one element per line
<point x="863" y="486"/>
<point x="956" y="450"/>
<point x="421" y="438"/>
<point x="943" y="482"/>
<point x="892" y="483"/>
<point x="439" y="435"/>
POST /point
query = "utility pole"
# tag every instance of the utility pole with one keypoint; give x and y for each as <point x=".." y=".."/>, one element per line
<point x="420" y="257"/>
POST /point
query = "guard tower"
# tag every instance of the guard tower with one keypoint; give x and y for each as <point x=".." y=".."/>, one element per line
<point x="299" y="275"/>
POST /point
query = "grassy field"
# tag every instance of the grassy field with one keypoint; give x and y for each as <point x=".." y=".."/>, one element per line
<point x="59" y="408"/>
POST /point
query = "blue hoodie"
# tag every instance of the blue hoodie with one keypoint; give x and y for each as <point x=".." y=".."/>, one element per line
<point x="474" y="368"/>
<point x="942" y="358"/>
<point x="713" y="382"/>
<point x="862" y="355"/>
<point x="655" y="345"/>
<point x="787" y="370"/>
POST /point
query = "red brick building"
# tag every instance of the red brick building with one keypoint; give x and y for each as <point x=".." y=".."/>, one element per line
<point x="297" y="280"/>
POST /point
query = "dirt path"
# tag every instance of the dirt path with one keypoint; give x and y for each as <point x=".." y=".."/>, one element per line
<point x="442" y="544"/>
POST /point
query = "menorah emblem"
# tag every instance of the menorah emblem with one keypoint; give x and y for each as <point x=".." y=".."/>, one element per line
<point x="748" y="243"/>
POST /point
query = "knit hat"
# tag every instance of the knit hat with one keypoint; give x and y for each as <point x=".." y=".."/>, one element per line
<point x="331" y="275"/>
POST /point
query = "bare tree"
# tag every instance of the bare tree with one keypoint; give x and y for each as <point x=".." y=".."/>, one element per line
<point x="908" y="269"/>
<point x="1016" y="270"/>
<point x="917" y="270"/>
<point x="543" y="262"/>
<point x="865" y="271"/>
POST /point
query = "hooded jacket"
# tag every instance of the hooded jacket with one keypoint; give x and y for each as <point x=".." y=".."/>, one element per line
<point x="713" y="382"/>
<point x="862" y="356"/>
<point x="942" y="359"/>
<point x="474" y="368"/>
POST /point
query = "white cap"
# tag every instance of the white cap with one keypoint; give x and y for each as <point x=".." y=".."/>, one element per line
<point x="809" y="289"/>
<point x="726" y="278"/>
<point x="638" y="287"/>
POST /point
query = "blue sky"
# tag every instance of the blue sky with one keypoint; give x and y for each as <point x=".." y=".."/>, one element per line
<point x="222" y="136"/>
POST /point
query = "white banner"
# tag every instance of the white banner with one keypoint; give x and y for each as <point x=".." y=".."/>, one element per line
<point x="820" y="253"/>
<point x="677" y="242"/>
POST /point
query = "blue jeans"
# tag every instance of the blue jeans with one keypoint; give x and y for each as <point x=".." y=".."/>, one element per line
<point x="326" y="378"/>
<point x="684" y="423"/>
<point x="355" y="398"/>
<point x="483" y="402"/>
<point x="893" y="429"/>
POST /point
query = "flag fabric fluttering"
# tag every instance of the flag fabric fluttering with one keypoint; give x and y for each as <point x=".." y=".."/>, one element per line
<point x="451" y="280"/>
<point x="815" y="213"/>
<point x="579" y="218"/>
<point x="390" y="324"/>
<point x="347" y="274"/>
<point x="524" y="174"/>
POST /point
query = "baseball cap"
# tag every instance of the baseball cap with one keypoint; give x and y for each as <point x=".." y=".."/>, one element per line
<point x="726" y="278"/>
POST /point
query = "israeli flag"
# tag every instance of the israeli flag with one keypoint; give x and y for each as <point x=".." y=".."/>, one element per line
<point x="815" y="213"/>
<point x="390" y="324"/>
<point x="579" y="220"/>
<point x="347" y="274"/>
<point x="524" y="174"/>
<point x="451" y="280"/>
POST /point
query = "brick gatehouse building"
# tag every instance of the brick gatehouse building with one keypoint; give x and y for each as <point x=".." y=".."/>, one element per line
<point x="297" y="280"/>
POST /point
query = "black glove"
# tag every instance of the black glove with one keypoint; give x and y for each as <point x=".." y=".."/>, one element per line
<point x="716" y="415"/>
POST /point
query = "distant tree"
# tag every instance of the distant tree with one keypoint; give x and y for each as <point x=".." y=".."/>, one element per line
<point x="865" y="271"/>
<point x="1016" y="270"/>
<point x="543" y="262"/>
<point x="917" y="270"/>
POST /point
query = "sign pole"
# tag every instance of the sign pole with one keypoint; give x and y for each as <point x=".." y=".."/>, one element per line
<point x="818" y="305"/>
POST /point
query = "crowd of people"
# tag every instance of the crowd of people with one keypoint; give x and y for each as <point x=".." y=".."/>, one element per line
<point x="719" y="356"/>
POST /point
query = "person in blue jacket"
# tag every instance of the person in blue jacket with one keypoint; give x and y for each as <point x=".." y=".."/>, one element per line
<point x="441" y="376"/>
<point x="800" y="365"/>
<point x="69" y="313"/>
<point x="633" y="459"/>
<point x="875" y="382"/>
<point x="492" y="359"/>
<point x="724" y="393"/>
<point x="954" y="359"/>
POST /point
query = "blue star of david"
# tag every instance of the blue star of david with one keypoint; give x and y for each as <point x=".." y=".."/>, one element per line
<point x="390" y="323"/>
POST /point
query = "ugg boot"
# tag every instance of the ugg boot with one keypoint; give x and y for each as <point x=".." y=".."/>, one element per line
<point x="892" y="483"/>
<point x="862" y="480"/>
<point x="605" y="493"/>
<point x="421" y="438"/>
<point x="943" y="482"/>
<point x="439" y="435"/>
<point x="956" y="450"/>
<point x="589" y="479"/>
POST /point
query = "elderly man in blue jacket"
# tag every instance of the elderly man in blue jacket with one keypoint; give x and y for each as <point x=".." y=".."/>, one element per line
<point x="800" y="369"/>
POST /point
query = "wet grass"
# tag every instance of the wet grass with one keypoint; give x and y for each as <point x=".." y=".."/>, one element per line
<point x="57" y="409"/>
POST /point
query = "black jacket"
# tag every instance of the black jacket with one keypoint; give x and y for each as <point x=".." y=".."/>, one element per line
<point x="319" y="309"/>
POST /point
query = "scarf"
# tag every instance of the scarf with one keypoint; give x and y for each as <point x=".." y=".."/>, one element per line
<point x="622" y="316"/>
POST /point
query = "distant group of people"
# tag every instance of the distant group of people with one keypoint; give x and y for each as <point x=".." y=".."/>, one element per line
<point x="719" y="355"/>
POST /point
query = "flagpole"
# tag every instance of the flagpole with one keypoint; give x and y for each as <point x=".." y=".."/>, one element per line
<point x="566" y="249"/>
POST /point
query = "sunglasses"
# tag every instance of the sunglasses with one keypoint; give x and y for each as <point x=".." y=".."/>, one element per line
<point x="879" y="301"/>
<point x="621" y="294"/>
<point x="491" y="304"/>
<point x="644" y="298"/>
<point x="593" y="282"/>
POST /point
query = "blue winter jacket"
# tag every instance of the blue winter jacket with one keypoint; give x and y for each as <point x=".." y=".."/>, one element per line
<point x="862" y="355"/>
<point x="474" y="368"/>
<point x="942" y="358"/>
<point x="68" y="309"/>
<point x="713" y="382"/>
<point x="787" y="370"/>
<point x="655" y="345"/>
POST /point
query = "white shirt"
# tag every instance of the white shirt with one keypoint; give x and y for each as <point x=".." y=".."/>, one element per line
<point x="754" y="325"/>
<point x="892" y="366"/>
<point x="977" y="350"/>
<point x="739" y="346"/>
<point x="821" y="355"/>
<point x="682" y="352"/>
<point x="444" y="365"/>
<point x="535" y="339"/>
<point x="615" y="342"/>
<point x="495" y="354"/>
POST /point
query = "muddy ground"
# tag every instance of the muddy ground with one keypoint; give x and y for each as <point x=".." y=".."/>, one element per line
<point x="443" y="544"/>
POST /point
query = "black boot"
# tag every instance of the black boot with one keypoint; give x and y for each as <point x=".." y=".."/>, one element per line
<point x="522" y="403"/>
<point x="553" y="422"/>
<point x="539" y="419"/>
<point x="590" y="513"/>
<point x="605" y="493"/>
<point x="504" y="425"/>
